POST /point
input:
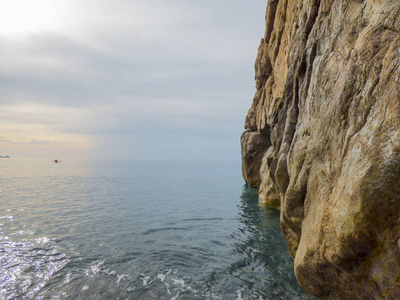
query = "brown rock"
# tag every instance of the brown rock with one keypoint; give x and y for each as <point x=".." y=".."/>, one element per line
<point x="322" y="141"/>
<point x="254" y="145"/>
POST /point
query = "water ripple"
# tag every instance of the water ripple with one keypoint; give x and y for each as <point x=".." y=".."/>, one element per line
<point x="150" y="231"/>
<point x="90" y="230"/>
<point x="27" y="266"/>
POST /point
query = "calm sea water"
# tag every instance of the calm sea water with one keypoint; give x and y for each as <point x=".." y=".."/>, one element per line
<point x="115" y="229"/>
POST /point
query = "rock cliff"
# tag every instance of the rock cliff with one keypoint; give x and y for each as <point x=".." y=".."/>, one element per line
<point x="322" y="141"/>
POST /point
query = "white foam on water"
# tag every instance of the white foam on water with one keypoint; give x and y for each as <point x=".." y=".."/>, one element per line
<point x="173" y="283"/>
<point x="239" y="294"/>
<point x="120" y="277"/>
<point x="178" y="281"/>
<point x="145" y="279"/>
<point x="95" y="269"/>
<point x="162" y="278"/>
<point x="183" y="286"/>
<point x="108" y="272"/>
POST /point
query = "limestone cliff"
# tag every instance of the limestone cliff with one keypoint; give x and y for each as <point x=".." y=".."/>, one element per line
<point x="322" y="141"/>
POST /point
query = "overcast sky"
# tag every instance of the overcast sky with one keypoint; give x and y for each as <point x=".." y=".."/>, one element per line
<point x="141" y="79"/>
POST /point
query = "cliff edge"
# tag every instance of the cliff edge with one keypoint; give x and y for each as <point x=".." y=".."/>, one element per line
<point x="322" y="141"/>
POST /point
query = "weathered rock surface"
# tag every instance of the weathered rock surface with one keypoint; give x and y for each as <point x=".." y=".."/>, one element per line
<point x="322" y="141"/>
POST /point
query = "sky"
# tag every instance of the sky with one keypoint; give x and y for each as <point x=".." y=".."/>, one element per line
<point x="140" y="79"/>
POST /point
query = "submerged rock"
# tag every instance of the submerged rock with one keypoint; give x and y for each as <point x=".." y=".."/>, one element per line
<point x="322" y="141"/>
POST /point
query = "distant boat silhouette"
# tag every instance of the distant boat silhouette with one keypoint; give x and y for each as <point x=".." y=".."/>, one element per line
<point x="57" y="161"/>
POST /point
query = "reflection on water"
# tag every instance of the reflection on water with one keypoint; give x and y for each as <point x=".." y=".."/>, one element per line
<point x="138" y="230"/>
<point x="27" y="266"/>
<point x="265" y="266"/>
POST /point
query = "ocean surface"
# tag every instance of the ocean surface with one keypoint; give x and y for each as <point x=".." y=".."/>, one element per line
<point x="124" y="229"/>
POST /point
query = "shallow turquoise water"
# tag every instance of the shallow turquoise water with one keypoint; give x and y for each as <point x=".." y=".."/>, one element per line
<point x="114" y="229"/>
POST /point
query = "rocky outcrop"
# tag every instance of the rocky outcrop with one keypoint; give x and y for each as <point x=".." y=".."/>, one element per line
<point x="322" y="141"/>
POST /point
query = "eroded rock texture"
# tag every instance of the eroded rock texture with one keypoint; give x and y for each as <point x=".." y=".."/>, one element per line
<point x="322" y="141"/>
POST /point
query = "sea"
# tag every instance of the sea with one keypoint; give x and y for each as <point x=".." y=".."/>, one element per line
<point x="126" y="229"/>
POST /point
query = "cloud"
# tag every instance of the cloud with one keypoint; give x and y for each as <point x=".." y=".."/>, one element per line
<point x="132" y="77"/>
<point x="31" y="123"/>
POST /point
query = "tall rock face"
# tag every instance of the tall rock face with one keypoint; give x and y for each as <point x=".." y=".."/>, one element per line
<point x="322" y="141"/>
